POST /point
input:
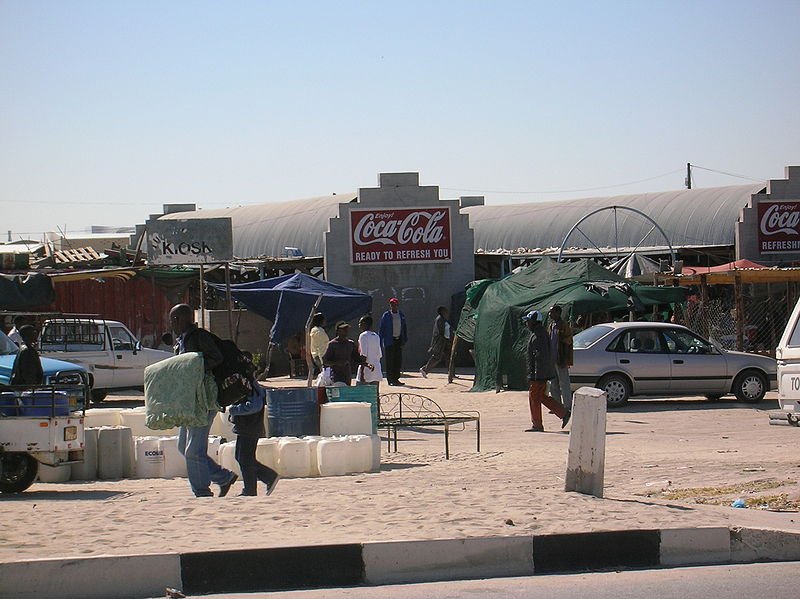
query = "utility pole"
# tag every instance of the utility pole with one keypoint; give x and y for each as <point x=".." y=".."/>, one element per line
<point x="688" y="176"/>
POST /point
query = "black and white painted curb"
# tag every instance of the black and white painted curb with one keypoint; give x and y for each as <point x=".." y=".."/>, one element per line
<point x="390" y="562"/>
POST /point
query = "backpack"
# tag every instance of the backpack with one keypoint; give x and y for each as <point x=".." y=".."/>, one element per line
<point x="234" y="375"/>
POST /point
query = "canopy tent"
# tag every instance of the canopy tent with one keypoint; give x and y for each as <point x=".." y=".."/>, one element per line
<point x="288" y="300"/>
<point x="582" y="287"/>
<point x="20" y="292"/>
<point x="634" y="265"/>
<point x="735" y="265"/>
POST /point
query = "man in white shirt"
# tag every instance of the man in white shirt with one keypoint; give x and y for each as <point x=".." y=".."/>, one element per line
<point x="14" y="333"/>
<point x="369" y="346"/>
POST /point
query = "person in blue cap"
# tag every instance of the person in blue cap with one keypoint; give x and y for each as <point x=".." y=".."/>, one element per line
<point x="541" y="369"/>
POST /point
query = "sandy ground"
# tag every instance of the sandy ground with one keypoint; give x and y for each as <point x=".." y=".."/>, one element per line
<point x="667" y="463"/>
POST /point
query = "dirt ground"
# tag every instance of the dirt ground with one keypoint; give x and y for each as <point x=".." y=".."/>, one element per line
<point x="669" y="463"/>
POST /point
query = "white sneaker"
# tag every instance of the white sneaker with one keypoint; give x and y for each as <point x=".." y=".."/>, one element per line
<point x="423" y="373"/>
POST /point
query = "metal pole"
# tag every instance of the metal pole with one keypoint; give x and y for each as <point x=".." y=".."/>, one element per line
<point x="688" y="176"/>
<point x="202" y="297"/>
<point x="228" y="299"/>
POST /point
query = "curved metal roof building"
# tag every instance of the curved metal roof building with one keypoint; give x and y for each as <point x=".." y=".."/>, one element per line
<point x="690" y="218"/>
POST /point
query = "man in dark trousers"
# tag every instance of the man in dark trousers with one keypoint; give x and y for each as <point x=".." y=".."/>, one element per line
<point x="540" y="369"/>
<point x="193" y="440"/>
<point x="27" y="369"/>
<point x="394" y="335"/>
<point x="342" y="355"/>
<point x="440" y="341"/>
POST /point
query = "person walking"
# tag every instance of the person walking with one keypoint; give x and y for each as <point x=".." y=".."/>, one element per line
<point x="193" y="440"/>
<point x="27" y="368"/>
<point x="560" y="334"/>
<point x="394" y="334"/>
<point x="341" y="356"/>
<point x="319" y="341"/>
<point x="440" y="341"/>
<point x="540" y="369"/>
<point x="369" y="346"/>
<point x="248" y="424"/>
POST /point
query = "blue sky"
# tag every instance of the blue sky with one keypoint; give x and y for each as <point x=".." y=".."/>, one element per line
<point x="110" y="109"/>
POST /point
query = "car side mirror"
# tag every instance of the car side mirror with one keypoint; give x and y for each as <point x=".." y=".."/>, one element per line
<point x="137" y="346"/>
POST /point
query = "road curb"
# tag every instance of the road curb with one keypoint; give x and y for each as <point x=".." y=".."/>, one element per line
<point x="393" y="562"/>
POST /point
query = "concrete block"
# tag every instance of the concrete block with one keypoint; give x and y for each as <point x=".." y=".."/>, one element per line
<point x="448" y="559"/>
<point x="685" y="546"/>
<point x="753" y="545"/>
<point x="101" y="577"/>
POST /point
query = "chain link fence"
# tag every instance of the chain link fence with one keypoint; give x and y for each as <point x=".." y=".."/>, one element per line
<point x="765" y="309"/>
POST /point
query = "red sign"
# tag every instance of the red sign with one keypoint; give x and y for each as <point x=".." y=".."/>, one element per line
<point x="400" y="235"/>
<point x="778" y="227"/>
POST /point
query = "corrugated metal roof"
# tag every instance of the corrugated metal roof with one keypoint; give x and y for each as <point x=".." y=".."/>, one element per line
<point x="265" y="229"/>
<point x="693" y="217"/>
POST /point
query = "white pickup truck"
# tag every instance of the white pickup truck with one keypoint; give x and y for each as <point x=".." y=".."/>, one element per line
<point x="111" y="354"/>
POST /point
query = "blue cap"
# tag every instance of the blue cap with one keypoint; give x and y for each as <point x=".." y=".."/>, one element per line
<point x="532" y="315"/>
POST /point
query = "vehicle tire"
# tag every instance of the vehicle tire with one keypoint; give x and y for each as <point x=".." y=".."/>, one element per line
<point x="617" y="388"/>
<point x="18" y="472"/>
<point x="750" y="386"/>
<point x="713" y="397"/>
<point x="98" y="395"/>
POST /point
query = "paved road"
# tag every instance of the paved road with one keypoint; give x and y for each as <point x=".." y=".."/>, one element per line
<point x="772" y="581"/>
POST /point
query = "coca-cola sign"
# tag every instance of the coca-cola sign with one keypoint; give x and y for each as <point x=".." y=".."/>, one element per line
<point x="779" y="227"/>
<point x="400" y="235"/>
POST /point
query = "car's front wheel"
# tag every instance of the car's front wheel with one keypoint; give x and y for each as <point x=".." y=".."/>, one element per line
<point x="17" y="472"/>
<point x="750" y="386"/>
<point x="617" y="389"/>
<point x="98" y="395"/>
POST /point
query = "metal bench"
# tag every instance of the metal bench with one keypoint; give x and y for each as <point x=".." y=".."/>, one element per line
<point x="410" y="410"/>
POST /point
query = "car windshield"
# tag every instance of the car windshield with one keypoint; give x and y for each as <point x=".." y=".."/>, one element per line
<point x="586" y="338"/>
<point x="7" y="347"/>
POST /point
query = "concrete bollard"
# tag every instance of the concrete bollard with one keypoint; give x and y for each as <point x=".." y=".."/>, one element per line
<point x="587" y="442"/>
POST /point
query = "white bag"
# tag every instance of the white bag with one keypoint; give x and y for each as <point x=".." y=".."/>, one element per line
<point x="324" y="379"/>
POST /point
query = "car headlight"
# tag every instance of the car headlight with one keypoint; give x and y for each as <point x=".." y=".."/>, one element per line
<point x="68" y="378"/>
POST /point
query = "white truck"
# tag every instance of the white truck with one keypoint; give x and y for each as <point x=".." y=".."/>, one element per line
<point x="111" y="354"/>
<point x="788" y="355"/>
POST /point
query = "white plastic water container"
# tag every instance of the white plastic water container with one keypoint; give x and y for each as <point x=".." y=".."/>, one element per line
<point x="221" y="427"/>
<point x="294" y="459"/>
<point x="174" y="462"/>
<point x="87" y="470"/>
<point x="109" y="452"/>
<point x="345" y="418"/>
<point x="149" y="458"/>
<point x="333" y="456"/>
<point x="376" y="453"/>
<point x="128" y="453"/>
<point x="267" y="452"/>
<point x="54" y="474"/>
<point x="97" y="417"/>
<point x="313" y="441"/>
<point x="360" y="453"/>
<point x="227" y="457"/>
<point x="134" y="420"/>
<point x="213" y="448"/>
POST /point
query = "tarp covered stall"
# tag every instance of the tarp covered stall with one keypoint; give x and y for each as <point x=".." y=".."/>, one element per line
<point x="288" y="300"/>
<point x="582" y="287"/>
<point x="19" y="292"/>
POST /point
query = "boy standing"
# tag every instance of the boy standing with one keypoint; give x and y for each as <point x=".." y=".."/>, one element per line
<point x="369" y="346"/>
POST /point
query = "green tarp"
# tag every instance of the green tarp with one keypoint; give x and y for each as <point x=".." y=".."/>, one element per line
<point x="495" y="327"/>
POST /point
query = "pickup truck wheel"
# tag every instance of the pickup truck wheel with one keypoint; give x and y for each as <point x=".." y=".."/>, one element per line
<point x="17" y="472"/>
<point x="750" y="386"/>
<point x="98" y="395"/>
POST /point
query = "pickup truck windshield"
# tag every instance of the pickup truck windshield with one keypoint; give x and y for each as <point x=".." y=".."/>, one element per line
<point x="7" y="347"/>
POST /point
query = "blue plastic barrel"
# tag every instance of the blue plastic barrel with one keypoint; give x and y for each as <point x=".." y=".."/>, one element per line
<point x="363" y="393"/>
<point x="292" y="412"/>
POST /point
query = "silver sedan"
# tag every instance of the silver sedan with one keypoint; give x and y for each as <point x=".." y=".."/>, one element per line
<point x="651" y="358"/>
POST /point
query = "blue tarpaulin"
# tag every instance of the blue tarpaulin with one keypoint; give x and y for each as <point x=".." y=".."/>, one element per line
<point x="287" y="302"/>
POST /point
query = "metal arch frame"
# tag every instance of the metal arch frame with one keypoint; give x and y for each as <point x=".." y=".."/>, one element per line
<point x="576" y="226"/>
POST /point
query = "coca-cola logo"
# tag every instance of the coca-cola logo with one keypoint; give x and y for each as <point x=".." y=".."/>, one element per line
<point x="417" y="227"/>
<point x="780" y="218"/>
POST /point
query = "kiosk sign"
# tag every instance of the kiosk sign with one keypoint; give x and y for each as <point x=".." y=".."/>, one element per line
<point x="778" y="227"/>
<point x="190" y="241"/>
<point x="398" y="235"/>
